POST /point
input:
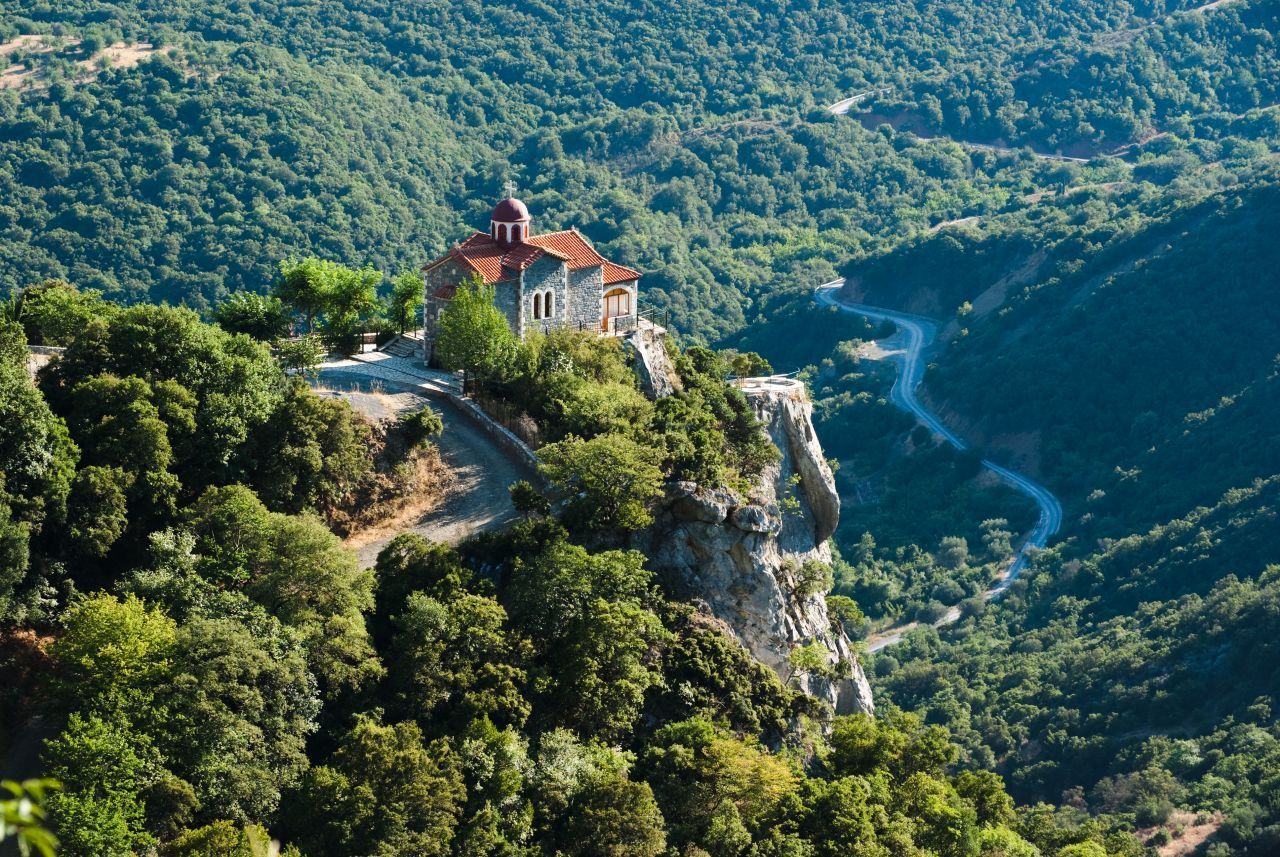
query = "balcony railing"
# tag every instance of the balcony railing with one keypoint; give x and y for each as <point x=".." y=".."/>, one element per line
<point x="619" y="325"/>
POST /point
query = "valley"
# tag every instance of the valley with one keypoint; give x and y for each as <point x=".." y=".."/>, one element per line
<point x="920" y="335"/>
<point x="970" y="552"/>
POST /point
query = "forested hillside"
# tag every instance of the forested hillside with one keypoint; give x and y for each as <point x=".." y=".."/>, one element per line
<point x="201" y="665"/>
<point x="379" y="134"/>
<point x="190" y="650"/>
<point x="1112" y="344"/>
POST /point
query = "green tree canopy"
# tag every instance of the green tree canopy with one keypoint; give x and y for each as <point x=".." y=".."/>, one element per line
<point x="473" y="334"/>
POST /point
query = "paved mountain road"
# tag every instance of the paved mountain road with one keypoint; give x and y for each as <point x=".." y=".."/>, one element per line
<point x="920" y="334"/>
<point x="478" y="498"/>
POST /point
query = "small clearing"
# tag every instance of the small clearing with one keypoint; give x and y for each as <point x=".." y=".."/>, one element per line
<point x="16" y="75"/>
<point x="961" y="221"/>
<point x="1195" y="831"/>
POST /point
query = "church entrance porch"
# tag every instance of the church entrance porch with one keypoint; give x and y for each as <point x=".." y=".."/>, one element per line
<point x="617" y="305"/>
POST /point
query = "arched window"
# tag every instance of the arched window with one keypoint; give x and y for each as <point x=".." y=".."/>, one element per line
<point x="549" y="305"/>
<point x="617" y="304"/>
<point x="537" y="305"/>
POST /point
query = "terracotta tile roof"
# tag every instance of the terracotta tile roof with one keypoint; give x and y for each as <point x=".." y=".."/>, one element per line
<point x="495" y="263"/>
<point x="618" y="273"/>
<point x="481" y="254"/>
<point x="570" y="246"/>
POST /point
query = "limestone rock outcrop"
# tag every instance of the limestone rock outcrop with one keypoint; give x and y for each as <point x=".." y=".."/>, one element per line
<point x="652" y="362"/>
<point x="741" y="558"/>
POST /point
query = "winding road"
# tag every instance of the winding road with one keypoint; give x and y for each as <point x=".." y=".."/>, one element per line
<point x="478" y="498"/>
<point x="920" y="335"/>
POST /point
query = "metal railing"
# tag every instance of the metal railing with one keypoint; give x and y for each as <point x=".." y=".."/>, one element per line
<point x="617" y="325"/>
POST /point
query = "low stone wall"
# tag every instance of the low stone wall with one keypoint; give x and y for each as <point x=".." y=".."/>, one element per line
<point x="502" y="436"/>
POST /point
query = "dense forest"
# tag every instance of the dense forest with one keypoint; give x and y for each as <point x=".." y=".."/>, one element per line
<point x="192" y="653"/>
<point x="208" y="666"/>
<point x="376" y="134"/>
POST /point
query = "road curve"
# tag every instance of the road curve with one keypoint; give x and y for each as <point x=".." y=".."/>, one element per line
<point x="921" y="334"/>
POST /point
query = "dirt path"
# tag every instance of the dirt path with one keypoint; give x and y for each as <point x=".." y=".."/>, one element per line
<point x="482" y="470"/>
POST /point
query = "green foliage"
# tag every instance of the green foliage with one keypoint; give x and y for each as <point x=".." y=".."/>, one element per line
<point x="420" y="426"/>
<point x="814" y="577"/>
<point x="451" y="662"/>
<point x="382" y="785"/>
<point x="473" y="334"/>
<point x="22" y="816"/>
<point x="407" y="289"/>
<point x="612" y="477"/>
<point x="295" y="569"/>
<point x="311" y="453"/>
<point x="303" y="354"/>
<point x="55" y="312"/>
<point x="222" y="838"/>
<point x="259" y="317"/>
<point x="100" y="810"/>
<point x="344" y="297"/>
<point x="593" y="632"/>
<point x="273" y="132"/>
<point x="527" y="500"/>
<point x="352" y="295"/>
<point x="699" y="772"/>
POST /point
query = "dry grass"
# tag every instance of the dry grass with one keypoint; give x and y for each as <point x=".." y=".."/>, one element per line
<point x="118" y="55"/>
<point x="1189" y="831"/>
<point x="401" y="509"/>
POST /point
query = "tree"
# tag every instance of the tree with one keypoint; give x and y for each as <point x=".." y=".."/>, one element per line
<point x="528" y="500"/>
<point x="612" y="479"/>
<point x="384" y="786"/>
<point x="953" y="552"/>
<point x="296" y="569"/>
<point x="235" y="382"/>
<point x="100" y="811"/>
<point x="595" y="636"/>
<point x="615" y="817"/>
<point x="97" y="510"/>
<point x="113" y="656"/>
<point x="845" y="611"/>
<point x="222" y="839"/>
<point x="451" y="662"/>
<point x="302" y="354"/>
<point x="237" y="713"/>
<point x="695" y="768"/>
<point x="261" y="317"/>
<point x="407" y="290"/>
<point x="55" y="312"/>
<point x="421" y="426"/>
<point x="351" y="295"/>
<point x="311" y="454"/>
<point x="37" y="456"/>
<point x="473" y="335"/>
<point x="997" y="539"/>
<point x="306" y="286"/>
<point x="585" y="803"/>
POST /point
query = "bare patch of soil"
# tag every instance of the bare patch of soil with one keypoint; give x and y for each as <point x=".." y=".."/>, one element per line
<point x="117" y="55"/>
<point x="1189" y="833"/>
<point x="405" y="483"/>
<point x="960" y="221"/>
<point x="991" y="299"/>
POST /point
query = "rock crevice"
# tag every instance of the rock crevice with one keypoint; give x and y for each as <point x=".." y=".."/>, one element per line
<point x="741" y="557"/>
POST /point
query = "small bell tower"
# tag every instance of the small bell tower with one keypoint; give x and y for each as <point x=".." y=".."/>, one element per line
<point x="509" y="223"/>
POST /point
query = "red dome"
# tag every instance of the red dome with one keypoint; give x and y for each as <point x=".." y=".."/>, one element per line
<point x="510" y="210"/>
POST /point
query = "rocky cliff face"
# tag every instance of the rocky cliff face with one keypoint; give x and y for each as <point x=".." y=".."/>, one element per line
<point x="742" y="558"/>
<point x="652" y="363"/>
